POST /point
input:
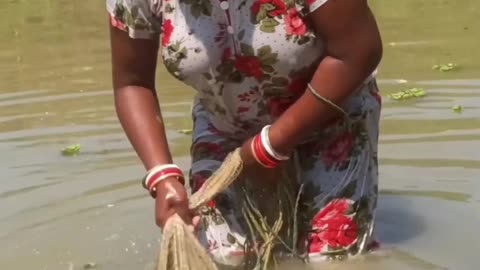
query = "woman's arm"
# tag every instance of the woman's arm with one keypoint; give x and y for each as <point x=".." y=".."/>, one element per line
<point x="133" y="71"/>
<point x="133" y="67"/>
<point x="353" y="51"/>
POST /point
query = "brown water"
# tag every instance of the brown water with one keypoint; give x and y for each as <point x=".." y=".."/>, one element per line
<point x="61" y="212"/>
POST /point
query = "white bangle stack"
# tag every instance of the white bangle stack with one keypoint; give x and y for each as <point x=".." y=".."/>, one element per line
<point x="268" y="147"/>
<point x="159" y="173"/>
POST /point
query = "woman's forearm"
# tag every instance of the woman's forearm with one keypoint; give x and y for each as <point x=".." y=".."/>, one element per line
<point x="310" y="114"/>
<point x="140" y="116"/>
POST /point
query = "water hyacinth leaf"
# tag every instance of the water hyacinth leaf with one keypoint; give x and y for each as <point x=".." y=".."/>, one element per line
<point x="185" y="131"/>
<point x="457" y="108"/>
<point x="445" y="67"/>
<point x="90" y="265"/>
<point x="401" y="81"/>
<point x="408" y="94"/>
<point x="71" y="150"/>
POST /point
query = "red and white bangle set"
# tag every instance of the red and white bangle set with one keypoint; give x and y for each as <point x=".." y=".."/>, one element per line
<point x="160" y="173"/>
<point x="263" y="151"/>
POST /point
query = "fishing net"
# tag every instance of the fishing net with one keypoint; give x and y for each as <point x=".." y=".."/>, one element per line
<point x="269" y="231"/>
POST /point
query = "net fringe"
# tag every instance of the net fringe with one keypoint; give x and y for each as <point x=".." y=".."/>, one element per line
<point x="179" y="248"/>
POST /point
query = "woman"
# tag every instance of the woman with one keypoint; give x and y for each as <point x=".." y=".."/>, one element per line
<point x="292" y="64"/>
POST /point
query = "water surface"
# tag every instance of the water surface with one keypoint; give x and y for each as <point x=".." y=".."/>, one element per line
<point x="61" y="212"/>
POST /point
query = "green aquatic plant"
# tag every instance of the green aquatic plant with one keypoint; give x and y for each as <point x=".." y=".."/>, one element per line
<point x="71" y="150"/>
<point x="275" y="228"/>
<point x="185" y="131"/>
<point x="445" y="67"/>
<point x="408" y="93"/>
<point x="457" y="108"/>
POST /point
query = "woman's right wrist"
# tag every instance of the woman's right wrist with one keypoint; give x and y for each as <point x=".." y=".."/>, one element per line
<point x="161" y="173"/>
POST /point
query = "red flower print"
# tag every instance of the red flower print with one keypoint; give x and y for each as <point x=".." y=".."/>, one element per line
<point x="316" y="244"/>
<point x="167" y="32"/>
<point x="310" y="2"/>
<point x="208" y="150"/>
<point x="279" y="7"/>
<point x="294" y="25"/>
<point x="243" y="109"/>
<point x="278" y="106"/>
<point x="117" y="23"/>
<point x="208" y="147"/>
<point x="377" y="96"/>
<point x="333" y="227"/>
<point x="245" y="97"/>
<point x="339" y="232"/>
<point x="297" y="86"/>
<point x="213" y="129"/>
<point x="332" y="209"/>
<point x="249" y="66"/>
<point x="211" y="204"/>
<point x="339" y="149"/>
<point x="221" y="34"/>
<point x="227" y="54"/>
<point x="253" y="90"/>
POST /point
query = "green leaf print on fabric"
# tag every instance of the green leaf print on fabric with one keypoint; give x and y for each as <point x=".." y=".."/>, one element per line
<point x="211" y="106"/>
<point x="280" y="81"/>
<point x="268" y="25"/>
<point x="130" y="19"/>
<point x="199" y="7"/>
<point x="175" y="56"/>
<point x="266" y="13"/>
<point x="169" y="8"/>
<point x="247" y="50"/>
<point x="208" y="76"/>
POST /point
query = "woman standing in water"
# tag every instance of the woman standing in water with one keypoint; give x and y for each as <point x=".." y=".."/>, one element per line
<point x="273" y="77"/>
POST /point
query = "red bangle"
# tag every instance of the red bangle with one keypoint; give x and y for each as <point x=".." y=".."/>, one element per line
<point x="153" y="190"/>
<point x="161" y="175"/>
<point x="263" y="158"/>
<point x="254" y="152"/>
<point x="262" y="155"/>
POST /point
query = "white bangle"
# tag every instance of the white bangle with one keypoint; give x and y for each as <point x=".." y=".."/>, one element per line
<point x="156" y="169"/>
<point x="268" y="147"/>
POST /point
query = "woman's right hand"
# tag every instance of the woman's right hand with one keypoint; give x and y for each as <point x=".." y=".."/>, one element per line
<point x="171" y="198"/>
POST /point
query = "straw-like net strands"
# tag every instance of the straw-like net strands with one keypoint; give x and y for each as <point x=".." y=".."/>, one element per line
<point x="180" y="249"/>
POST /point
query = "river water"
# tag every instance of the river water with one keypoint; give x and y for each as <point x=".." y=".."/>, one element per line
<point x="60" y="212"/>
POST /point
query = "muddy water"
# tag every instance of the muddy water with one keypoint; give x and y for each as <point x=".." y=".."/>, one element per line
<point x="61" y="212"/>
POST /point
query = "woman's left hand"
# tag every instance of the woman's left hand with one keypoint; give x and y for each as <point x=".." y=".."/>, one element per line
<point x="254" y="170"/>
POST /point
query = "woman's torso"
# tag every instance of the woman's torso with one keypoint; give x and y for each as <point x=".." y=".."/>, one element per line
<point x="248" y="59"/>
